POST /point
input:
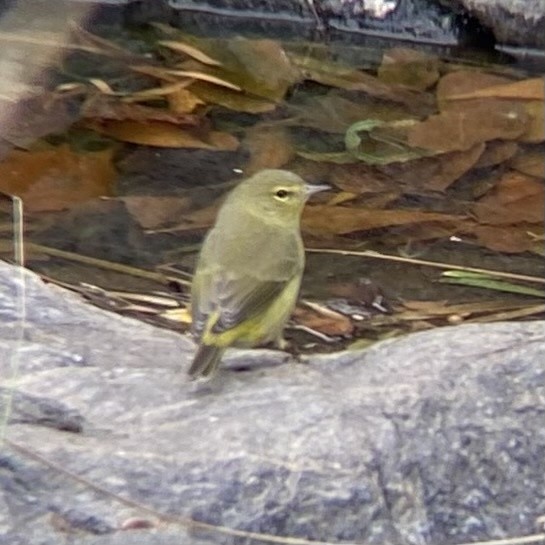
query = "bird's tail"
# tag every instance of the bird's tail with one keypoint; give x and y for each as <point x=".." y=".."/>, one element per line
<point x="206" y="360"/>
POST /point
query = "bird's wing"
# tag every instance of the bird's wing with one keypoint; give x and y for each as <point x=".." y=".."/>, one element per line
<point x="228" y="297"/>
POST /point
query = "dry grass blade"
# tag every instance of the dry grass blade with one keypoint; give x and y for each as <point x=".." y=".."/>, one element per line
<point x="101" y="263"/>
<point x="509" y="315"/>
<point x="189" y="50"/>
<point x="204" y="77"/>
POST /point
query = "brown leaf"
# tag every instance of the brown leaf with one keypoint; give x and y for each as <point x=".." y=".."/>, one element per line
<point x="336" y="75"/>
<point x="186" y="49"/>
<point x="434" y="173"/>
<point x="269" y="147"/>
<point x="156" y="212"/>
<point x="162" y="134"/>
<point x="460" y="130"/>
<point x="101" y="107"/>
<point x="359" y="178"/>
<point x="536" y="112"/>
<point x="57" y="178"/>
<point x="511" y="238"/>
<point x="233" y="100"/>
<point x="183" y="101"/>
<point x="196" y="220"/>
<point x="496" y="153"/>
<point x="324" y="320"/>
<point x="259" y="67"/>
<point x="409" y="68"/>
<point x="465" y="82"/>
<point x="325" y="219"/>
<point x="334" y="113"/>
<point x="531" y="162"/>
<point x="528" y="89"/>
<point x="516" y="198"/>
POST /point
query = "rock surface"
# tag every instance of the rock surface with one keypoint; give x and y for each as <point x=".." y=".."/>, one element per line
<point x="513" y="22"/>
<point x="437" y="437"/>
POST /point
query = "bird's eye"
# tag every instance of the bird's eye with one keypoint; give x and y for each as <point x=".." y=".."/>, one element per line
<point x="281" y="194"/>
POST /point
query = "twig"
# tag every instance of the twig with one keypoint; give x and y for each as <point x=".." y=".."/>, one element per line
<point x="438" y="265"/>
<point x="108" y="265"/>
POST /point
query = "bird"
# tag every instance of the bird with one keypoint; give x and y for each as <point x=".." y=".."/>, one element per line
<point x="250" y="266"/>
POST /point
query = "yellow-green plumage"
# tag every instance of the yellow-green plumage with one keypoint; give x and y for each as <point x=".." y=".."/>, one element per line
<point x="250" y="267"/>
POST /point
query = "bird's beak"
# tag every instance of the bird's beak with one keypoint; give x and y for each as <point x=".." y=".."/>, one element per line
<point x="311" y="189"/>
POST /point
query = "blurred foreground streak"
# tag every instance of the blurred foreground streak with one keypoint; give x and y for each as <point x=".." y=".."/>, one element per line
<point x="34" y="37"/>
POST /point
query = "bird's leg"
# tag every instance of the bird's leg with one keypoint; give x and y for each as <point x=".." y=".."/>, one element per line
<point x="280" y="343"/>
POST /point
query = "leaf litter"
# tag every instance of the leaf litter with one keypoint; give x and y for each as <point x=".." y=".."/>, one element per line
<point x="392" y="141"/>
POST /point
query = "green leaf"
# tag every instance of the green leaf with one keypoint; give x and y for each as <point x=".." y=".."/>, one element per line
<point x="478" y="280"/>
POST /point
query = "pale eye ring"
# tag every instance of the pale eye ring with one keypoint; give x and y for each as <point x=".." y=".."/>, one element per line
<point x="281" y="194"/>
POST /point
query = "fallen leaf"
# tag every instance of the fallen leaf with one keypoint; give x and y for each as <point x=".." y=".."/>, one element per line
<point x="324" y="320"/>
<point x="516" y="198"/>
<point x="460" y="130"/>
<point x="237" y="101"/>
<point x="195" y="220"/>
<point x="510" y="239"/>
<point x="343" y="77"/>
<point x="325" y="219"/>
<point x="202" y="76"/>
<point x="495" y="153"/>
<point x="409" y="68"/>
<point x="269" y="147"/>
<point x="156" y="212"/>
<point x="528" y="89"/>
<point x="536" y="112"/>
<point x="359" y="178"/>
<point x="531" y="162"/>
<point x="183" y="101"/>
<point x="162" y="134"/>
<point x="101" y="107"/>
<point x="433" y="173"/>
<point x="57" y="178"/>
<point x="465" y="82"/>
<point x="258" y="67"/>
<point x="334" y="113"/>
<point x="186" y="49"/>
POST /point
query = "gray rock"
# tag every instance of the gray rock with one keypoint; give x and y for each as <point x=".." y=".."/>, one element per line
<point x="513" y="22"/>
<point x="435" y="437"/>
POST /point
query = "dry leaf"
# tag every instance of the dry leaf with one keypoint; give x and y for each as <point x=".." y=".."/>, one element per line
<point x="239" y="102"/>
<point x="183" y="101"/>
<point x="201" y="76"/>
<point x="536" y="112"/>
<point x="434" y="173"/>
<point x="269" y="147"/>
<point x="156" y="212"/>
<point x="189" y="50"/>
<point x="101" y="107"/>
<point x="464" y="82"/>
<point x="339" y="220"/>
<point x="324" y="320"/>
<point x="528" y="89"/>
<point x="460" y="130"/>
<point x="334" y="113"/>
<point x="531" y="162"/>
<point x="509" y="239"/>
<point x="516" y="198"/>
<point x="161" y="134"/>
<point x="496" y="153"/>
<point x="57" y="178"/>
<point x="336" y="75"/>
<point x="409" y="68"/>
<point x="360" y="178"/>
